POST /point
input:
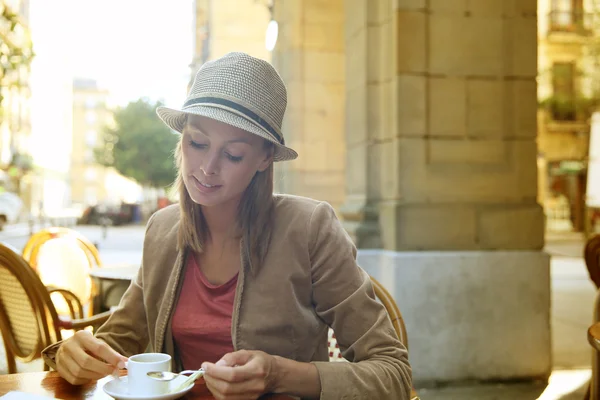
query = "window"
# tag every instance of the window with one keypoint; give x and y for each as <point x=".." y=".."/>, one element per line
<point x="563" y="87"/>
<point x="90" y="138"/>
<point x="90" y="174"/>
<point x="90" y="117"/>
<point x="89" y="156"/>
<point x="90" y="102"/>
<point x="562" y="79"/>
<point x="567" y="15"/>
<point x="90" y="196"/>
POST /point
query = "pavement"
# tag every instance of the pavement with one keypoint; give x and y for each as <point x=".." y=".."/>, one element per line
<point x="572" y="303"/>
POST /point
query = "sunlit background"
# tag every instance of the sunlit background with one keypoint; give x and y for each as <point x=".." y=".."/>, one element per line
<point x="141" y="51"/>
<point x="447" y="135"/>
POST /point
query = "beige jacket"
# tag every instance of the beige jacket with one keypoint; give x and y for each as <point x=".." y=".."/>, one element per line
<point x="309" y="281"/>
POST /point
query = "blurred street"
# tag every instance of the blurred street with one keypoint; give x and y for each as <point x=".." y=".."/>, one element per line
<point x="122" y="244"/>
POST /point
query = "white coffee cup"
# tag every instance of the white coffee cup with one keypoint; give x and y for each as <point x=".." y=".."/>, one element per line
<point x="138" y="366"/>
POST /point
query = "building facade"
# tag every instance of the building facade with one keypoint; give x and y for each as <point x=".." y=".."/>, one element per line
<point x="567" y="96"/>
<point x="92" y="183"/>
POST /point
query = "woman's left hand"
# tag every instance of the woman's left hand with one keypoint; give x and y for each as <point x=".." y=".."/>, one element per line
<point x="243" y="374"/>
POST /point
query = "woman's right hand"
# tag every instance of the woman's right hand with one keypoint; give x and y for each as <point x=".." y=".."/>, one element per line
<point x="83" y="358"/>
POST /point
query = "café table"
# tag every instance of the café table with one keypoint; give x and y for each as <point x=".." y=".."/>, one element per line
<point x="50" y="384"/>
<point x="111" y="282"/>
<point x="594" y="340"/>
<point x="116" y="272"/>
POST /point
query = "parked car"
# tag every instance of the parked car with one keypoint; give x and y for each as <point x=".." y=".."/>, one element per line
<point x="11" y="206"/>
<point x="102" y="214"/>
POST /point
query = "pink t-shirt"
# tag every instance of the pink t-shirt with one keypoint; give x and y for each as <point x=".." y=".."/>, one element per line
<point x="202" y="320"/>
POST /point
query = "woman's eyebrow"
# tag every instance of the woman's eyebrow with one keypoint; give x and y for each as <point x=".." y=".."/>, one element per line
<point x="195" y="130"/>
<point x="240" y="140"/>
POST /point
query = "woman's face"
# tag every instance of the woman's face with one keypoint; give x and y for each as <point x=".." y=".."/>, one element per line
<point x="219" y="160"/>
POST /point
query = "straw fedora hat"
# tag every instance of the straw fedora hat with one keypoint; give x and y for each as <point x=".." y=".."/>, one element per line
<point x="239" y="90"/>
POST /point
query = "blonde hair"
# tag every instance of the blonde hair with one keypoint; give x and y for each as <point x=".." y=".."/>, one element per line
<point x="254" y="215"/>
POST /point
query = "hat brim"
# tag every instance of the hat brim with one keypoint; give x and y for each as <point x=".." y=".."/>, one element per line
<point x="175" y="119"/>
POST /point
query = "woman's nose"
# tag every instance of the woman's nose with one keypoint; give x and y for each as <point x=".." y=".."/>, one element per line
<point x="211" y="165"/>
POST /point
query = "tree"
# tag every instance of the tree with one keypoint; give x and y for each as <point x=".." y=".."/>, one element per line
<point x="16" y="51"/>
<point x="139" y="145"/>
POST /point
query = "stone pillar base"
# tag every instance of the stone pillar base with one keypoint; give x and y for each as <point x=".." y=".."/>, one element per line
<point x="472" y="315"/>
<point x="360" y="220"/>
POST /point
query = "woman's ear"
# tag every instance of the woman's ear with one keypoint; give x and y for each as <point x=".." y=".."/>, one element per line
<point x="264" y="164"/>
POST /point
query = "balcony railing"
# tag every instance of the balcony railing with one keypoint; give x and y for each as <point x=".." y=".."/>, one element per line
<point x="570" y="21"/>
<point x="569" y="108"/>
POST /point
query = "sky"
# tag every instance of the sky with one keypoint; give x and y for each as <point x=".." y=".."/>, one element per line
<point x="133" y="48"/>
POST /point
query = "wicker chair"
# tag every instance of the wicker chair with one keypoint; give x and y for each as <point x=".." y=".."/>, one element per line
<point x="395" y="316"/>
<point x="591" y="254"/>
<point x="28" y="319"/>
<point x="38" y="239"/>
<point x="62" y="258"/>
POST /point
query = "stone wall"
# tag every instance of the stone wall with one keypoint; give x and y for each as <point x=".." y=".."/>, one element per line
<point x="457" y="167"/>
<point x="438" y="129"/>
<point x="310" y="55"/>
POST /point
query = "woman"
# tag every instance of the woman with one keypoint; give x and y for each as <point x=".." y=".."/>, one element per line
<point x="237" y="280"/>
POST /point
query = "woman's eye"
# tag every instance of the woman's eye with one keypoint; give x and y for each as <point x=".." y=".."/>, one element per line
<point x="233" y="158"/>
<point x="197" y="145"/>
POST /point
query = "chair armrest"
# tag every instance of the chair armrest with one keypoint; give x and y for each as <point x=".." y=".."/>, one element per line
<point x="594" y="336"/>
<point x="78" y="324"/>
<point x="73" y="302"/>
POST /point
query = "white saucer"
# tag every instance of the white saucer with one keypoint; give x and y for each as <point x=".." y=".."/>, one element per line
<point x="118" y="389"/>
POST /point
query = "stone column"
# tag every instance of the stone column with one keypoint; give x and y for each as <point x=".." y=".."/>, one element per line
<point x="310" y="57"/>
<point x="441" y="162"/>
<point x="369" y="104"/>
<point x="218" y="29"/>
<point x="200" y="37"/>
<point x="238" y="25"/>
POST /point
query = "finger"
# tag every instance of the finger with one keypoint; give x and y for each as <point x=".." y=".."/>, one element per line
<point x="224" y="368"/>
<point x="76" y="375"/>
<point x="224" y="390"/>
<point x="70" y="371"/>
<point x="64" y="369"/>
<point x="82" y="360"/>
<point x="86" y="362"/>
<point x="66" y="366"/>
<point x="240" y="357"/>
<point x="253" y="386"/>
<point x="102" y="350"/>
<point x="228" y="374"/>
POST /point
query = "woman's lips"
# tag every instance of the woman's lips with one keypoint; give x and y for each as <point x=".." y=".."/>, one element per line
<point x="205" y="187"/>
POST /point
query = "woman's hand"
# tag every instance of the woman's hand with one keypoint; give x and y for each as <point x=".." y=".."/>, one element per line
<point x="83" y="358"/>
<point x="241" y="375"/>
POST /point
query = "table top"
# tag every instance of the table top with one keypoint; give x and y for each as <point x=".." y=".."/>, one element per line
<point x="50" y="384"/>
<point x="125" y="272"/>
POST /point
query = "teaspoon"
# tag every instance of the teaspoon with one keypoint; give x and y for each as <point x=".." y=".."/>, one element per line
<point x="169" y="376"/>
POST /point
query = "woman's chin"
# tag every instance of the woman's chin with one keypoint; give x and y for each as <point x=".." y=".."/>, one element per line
<point x="208" y="200"/>
<point x="204" y="202"/>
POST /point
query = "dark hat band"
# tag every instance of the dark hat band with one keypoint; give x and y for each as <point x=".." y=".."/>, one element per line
<point x="247" y="113"/>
